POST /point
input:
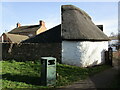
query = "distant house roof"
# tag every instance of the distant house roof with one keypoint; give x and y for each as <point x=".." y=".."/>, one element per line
<point x="25" y="29"/>
<point x="16" y="38"/>
<point x="52" y="35"/>
<point x="77" y="25"/>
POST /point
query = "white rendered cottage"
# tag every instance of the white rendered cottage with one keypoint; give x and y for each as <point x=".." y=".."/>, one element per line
<point x="83" y="43"/>
<point x="77" y="40"/>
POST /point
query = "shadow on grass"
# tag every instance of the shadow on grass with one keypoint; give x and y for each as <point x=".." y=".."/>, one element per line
<point x="22" y="78"/>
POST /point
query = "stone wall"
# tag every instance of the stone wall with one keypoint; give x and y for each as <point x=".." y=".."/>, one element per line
<point x="30" y="51"/>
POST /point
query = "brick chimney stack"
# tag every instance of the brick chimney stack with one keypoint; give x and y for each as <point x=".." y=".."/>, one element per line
<point x="42" y="27"/>
<point x="18" y="24"/>
<point x="41" y="23"/>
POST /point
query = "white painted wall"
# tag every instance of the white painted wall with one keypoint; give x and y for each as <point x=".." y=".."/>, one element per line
<point x="83" y="53"/>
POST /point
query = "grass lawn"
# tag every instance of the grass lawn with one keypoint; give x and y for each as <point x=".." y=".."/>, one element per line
<point x="27" y="74"/>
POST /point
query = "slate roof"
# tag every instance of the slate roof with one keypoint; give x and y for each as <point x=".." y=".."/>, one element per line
<point x="77" y="25"/>
<point x="52" y="35"/>
<point x="16" y="38"/>
<point x="27" y="29"/>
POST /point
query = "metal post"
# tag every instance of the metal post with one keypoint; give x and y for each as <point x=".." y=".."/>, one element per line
<point x="110" y="55"/>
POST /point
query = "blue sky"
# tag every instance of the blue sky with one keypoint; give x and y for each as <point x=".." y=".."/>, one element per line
<point x="29" y="13"/>
<point x="119" y="16"/>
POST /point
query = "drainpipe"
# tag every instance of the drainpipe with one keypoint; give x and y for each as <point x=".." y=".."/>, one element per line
<point x="2" y="39"/>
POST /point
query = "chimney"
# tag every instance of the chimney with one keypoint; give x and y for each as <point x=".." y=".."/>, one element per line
<point x="41" y="23"/>
<point x="18" y="24"/>
<point x="100" y="27"/>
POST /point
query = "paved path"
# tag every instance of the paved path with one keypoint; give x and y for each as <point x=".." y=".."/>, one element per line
<point x="101" y="80"/>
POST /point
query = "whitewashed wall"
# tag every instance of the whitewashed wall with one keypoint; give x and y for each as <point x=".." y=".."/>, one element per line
<point x="83" y="53"/>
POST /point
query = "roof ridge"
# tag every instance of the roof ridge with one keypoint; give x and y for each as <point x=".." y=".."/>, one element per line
<point x="71" y="7"/>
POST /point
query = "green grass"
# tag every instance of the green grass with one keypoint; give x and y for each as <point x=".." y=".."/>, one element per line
<point x="27" y="74"/>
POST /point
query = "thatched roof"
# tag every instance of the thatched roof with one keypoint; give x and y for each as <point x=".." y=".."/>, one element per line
<point x="16" y="38"/>
<point x="77" y="25"/>
<point x="25" y="29"/>
<point x="52" y="35"/>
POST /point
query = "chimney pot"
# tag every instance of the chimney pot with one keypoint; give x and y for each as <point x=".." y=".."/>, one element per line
<point x="41" y="23"/>
<point x="18" y="24"/>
